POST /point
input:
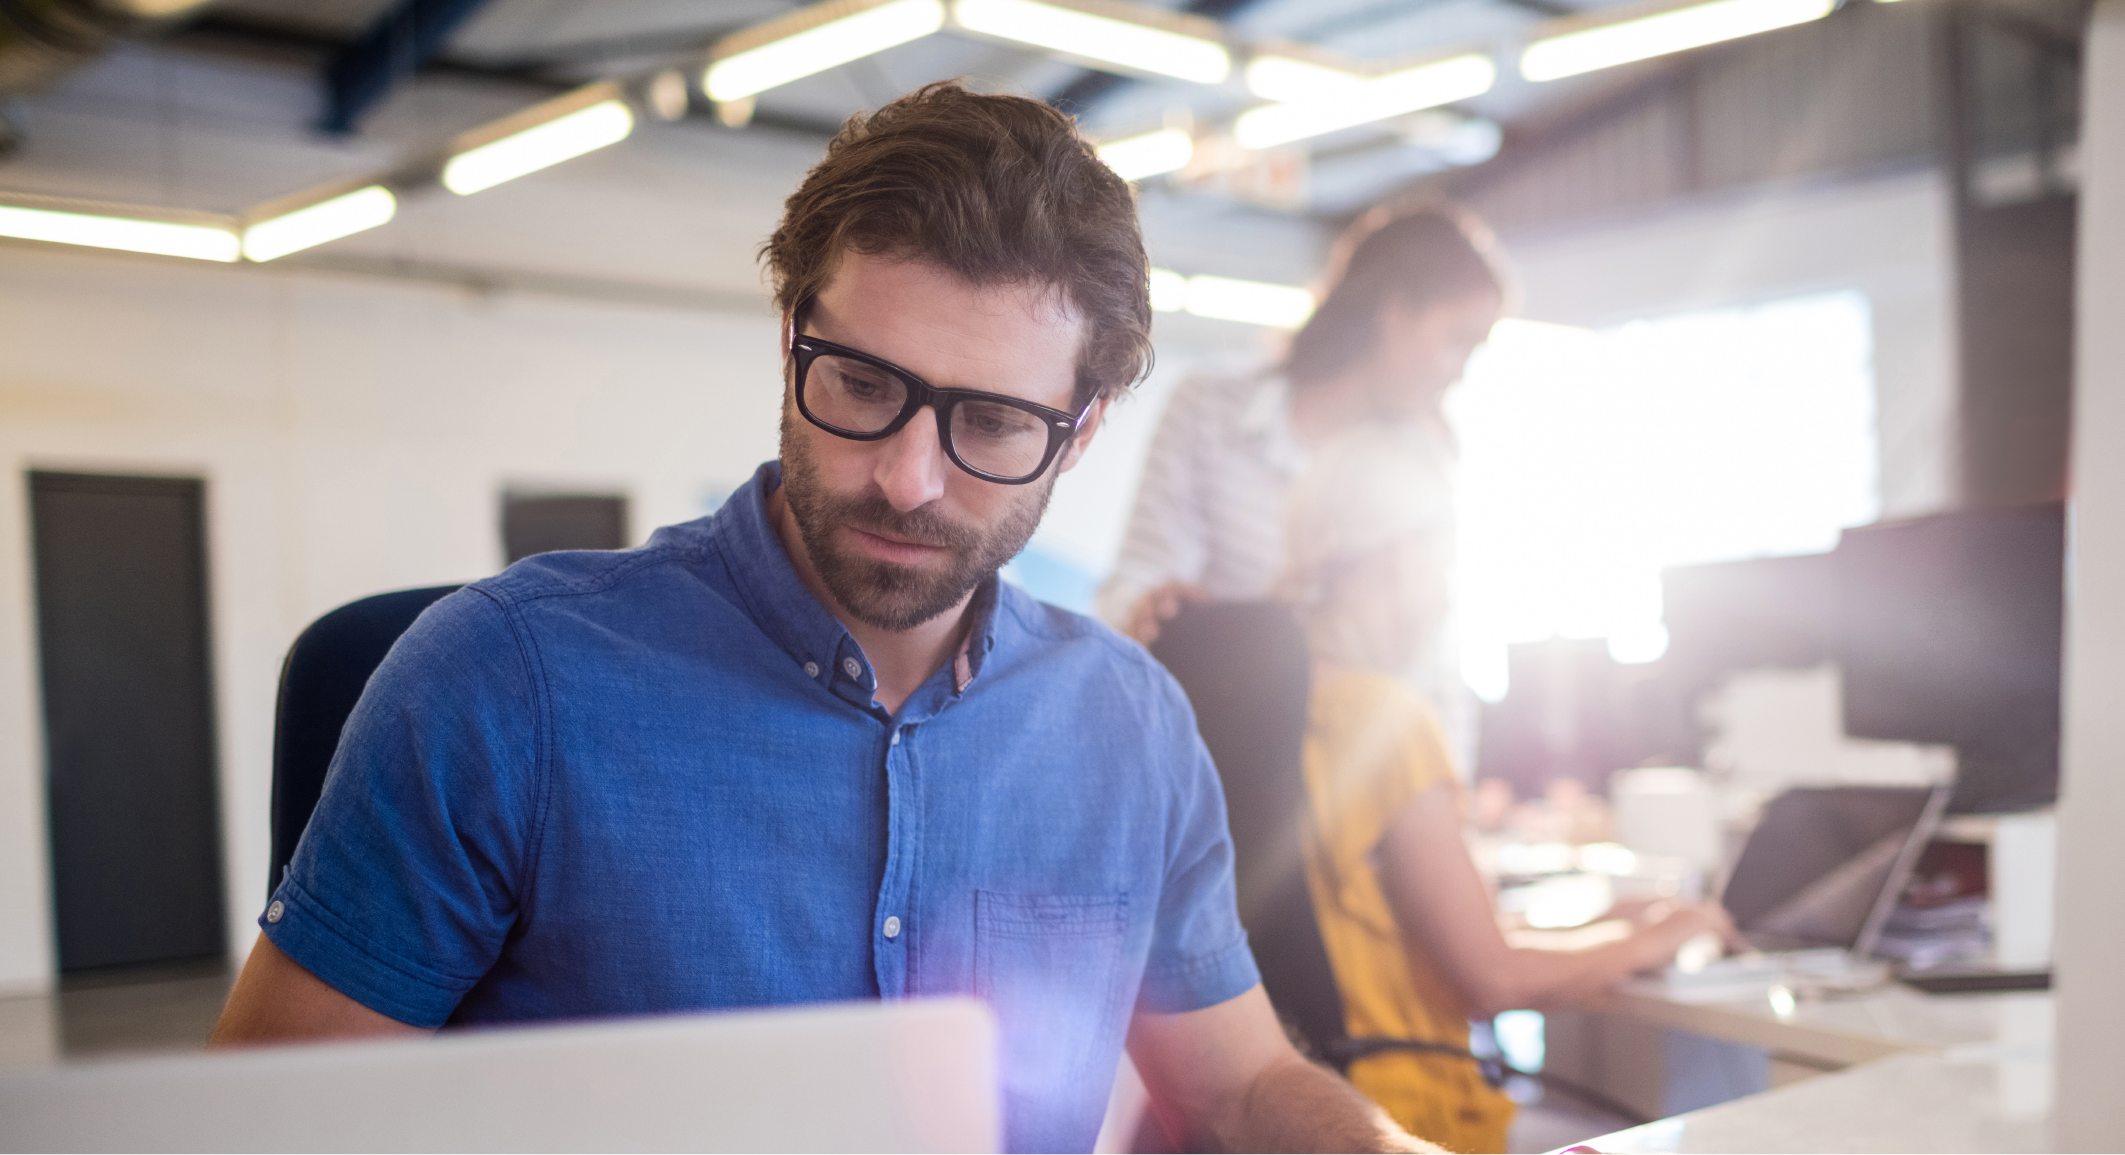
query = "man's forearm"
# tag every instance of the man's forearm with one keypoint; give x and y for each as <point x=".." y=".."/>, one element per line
<point x="1294" y="1105"/>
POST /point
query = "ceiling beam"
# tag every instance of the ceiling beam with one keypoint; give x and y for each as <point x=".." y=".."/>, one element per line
<point x="392" y="49"/>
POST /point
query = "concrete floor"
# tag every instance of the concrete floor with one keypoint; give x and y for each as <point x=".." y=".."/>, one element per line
<point x="137" y="1011"/>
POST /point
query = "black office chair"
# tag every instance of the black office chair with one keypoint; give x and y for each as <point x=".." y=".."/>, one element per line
<point x="321" y="680"/>
<point x="1247" y="672"/>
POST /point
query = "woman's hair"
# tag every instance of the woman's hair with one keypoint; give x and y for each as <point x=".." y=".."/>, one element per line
<point x="1367" y="491"/>
<point x="999" y="190"/>
<point x="1420" y="257"/>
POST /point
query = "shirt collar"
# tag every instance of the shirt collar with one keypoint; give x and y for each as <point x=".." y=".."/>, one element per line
<point x="783" y="607"/>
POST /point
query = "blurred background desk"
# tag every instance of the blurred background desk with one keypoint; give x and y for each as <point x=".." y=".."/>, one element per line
<point x="1974" y="1101"/>
<point x="1893" y="1070"/>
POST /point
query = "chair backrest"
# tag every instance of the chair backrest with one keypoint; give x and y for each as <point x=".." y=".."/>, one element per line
<point x="323" y="677"/>
<point x="1248" y="674"/>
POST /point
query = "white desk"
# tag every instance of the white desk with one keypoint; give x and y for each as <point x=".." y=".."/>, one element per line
<point x="1908" y="1102"/>
<point x="1906" y="1071"/>
<point x="1840" y="1032"/>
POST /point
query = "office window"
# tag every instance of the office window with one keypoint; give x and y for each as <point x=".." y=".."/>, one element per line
<point x="1593" y="459"/>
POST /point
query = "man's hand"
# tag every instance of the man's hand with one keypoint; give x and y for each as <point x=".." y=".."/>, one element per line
<point x="1225" y="1078"/>
<point x="1157" y="607"/>
<point x="277" y="1001"/>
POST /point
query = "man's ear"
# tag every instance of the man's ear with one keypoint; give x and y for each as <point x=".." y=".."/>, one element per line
<point x="1085" y="431"/>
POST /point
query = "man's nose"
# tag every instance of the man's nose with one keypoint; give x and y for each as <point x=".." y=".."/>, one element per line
<point x="912" y="465"/>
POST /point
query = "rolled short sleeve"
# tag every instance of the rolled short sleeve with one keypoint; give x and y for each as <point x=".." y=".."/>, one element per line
<point x="1199" y="954"/>
<point x="406" y="882"/>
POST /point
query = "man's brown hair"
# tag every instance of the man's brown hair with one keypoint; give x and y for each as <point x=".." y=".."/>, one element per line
<point x="999" y="190"/>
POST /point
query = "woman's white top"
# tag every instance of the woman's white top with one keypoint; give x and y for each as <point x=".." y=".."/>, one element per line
<point x="1210" y="511"/>
<point x="1210" y="507"/>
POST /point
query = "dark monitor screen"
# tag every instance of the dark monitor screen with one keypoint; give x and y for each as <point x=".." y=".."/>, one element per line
<point x="1949" y="632"/>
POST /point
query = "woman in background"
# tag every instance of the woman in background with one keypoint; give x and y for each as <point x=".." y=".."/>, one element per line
<point x="1415" y="294"/>
<point x="1409" y="925"/>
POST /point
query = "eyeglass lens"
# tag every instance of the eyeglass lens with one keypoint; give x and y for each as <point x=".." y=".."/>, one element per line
<point x="992" y="437"/>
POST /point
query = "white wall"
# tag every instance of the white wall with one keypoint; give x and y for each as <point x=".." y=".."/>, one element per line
<point x="1887" y="236"/>
<point x="2090" y="1115"/>
<point x="354" y="436"/>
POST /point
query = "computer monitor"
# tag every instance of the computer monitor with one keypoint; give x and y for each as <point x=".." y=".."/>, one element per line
<point x="917" y="1075"/>
<point x="1950" y="631"/>
<point x="1825" y="866"/>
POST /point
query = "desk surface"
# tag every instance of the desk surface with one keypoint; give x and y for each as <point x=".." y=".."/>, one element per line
<point x="1968" y="1072"/>
<point x="1840" y="1031"/>
<point x="1908" y="1102"/>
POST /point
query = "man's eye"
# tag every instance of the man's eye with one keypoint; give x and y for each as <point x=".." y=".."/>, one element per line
<point x="864" y="388"/>
<point x="994" y="421"/>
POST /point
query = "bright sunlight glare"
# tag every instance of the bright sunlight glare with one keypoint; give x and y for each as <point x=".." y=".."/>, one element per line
<point x="1591" y="460"/>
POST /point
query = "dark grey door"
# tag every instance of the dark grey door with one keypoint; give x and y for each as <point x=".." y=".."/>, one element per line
<point x="129" y="718"/>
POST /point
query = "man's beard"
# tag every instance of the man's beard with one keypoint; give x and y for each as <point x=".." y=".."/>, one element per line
<point x="883" y="594"/>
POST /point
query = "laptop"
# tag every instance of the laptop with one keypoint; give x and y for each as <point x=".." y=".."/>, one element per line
<point x="1817" y="880"/>
<point x="917" y="1075"/>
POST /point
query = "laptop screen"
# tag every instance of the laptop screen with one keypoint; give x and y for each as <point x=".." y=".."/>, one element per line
<point x="1824" y="866"/>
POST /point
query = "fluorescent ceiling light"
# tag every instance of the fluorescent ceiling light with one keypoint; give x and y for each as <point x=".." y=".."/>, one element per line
<point x="1607" y="45"/>
<point x="1411" y="89"/>
<point x="1137" y="157"/>
<point x="1254" y="302"/>
<point x="539" y="146"/>
<point x="1081" y="30"/>
<point x="1169" y="291"/>
<point x="1284" y="78"/>
<point x="134" y="235"/>
<point x="329" y="220"/>
<point x="814" y="39"/>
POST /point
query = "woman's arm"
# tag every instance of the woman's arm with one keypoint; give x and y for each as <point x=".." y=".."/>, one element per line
<point x="1442" y="905"/>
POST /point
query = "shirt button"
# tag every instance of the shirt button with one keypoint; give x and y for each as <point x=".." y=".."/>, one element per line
<point x="896" y="738"/>
<point x="892" y="926"/>
<point x="811" y="669"/>
<point x="274" y="912"/>
<point x="854" y="667"/>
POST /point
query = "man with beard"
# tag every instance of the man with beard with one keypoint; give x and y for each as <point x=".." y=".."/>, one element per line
<point x="810" y="748"/>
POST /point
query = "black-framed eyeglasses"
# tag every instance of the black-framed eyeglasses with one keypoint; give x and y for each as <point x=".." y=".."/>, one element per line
<point x="851" y="394"/>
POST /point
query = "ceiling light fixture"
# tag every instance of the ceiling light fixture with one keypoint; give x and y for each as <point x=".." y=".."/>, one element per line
<point x="1612" y="42"/>
<point x="539" y="137"/>
<point x="1137" y="157"/>
<point x="205" y="240"/>
<point x="813" y="39"/>
<point x="1275" y="76"/>
<point x="1169" y="291"/>
<point x="1104" y="33"/>
<point x="1252" y="302"/>
<point x="1376" y="98"/>
<point x="314" y="224"/>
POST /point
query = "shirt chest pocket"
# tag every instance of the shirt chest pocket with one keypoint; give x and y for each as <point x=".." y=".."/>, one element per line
<point x="1051" y="967"/>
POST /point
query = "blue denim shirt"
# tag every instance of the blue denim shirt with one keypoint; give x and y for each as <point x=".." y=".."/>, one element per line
<point x="655" y="780"/>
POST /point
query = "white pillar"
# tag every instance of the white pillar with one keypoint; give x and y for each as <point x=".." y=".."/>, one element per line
<point x="2090" y="1113"/>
